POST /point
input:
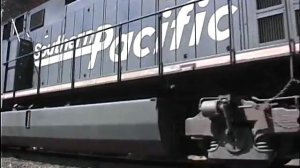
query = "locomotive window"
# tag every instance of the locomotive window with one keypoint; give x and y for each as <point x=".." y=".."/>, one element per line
<point x="37" y="20"/>
<point x="271" y="28"/>
<point x="69" y="1"/>
<point x="261" y="4"/>
<point x="19" y="24"/>
<point x="297" y="12"/>
<point x="6" y="31"/>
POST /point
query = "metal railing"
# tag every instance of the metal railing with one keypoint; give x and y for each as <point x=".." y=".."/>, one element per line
<point x="119" y="26"/>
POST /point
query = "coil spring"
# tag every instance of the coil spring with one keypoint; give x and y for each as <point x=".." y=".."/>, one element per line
<point x="213" y="146"/>
<point x="262" y="146"/>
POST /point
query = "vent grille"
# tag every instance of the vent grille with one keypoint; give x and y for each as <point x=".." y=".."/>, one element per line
<point x="262" y="4"/>
<point x="271" y="28"/>
<point x="297" y="12"/>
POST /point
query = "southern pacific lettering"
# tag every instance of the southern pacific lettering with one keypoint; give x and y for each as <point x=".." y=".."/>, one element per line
<point x="91" y="44"/>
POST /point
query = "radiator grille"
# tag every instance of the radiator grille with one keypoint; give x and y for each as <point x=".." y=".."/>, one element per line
<point x="261" y="4"/>
<point x="298" y="21"/>
<point x="271" y="28"/>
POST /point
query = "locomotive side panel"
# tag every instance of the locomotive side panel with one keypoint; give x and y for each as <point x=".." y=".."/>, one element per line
<point x="4" y="46"/>
<point x="133" y="62"/>
<point x="149" y="25"/>
<point x="97" y="22"/>
<point x="110" y="52"/>
<point x="10" y="69"/>
<point x="196" y="37"/>
<point x="66" y="58"/>
<point x="184" y="48"/>
<point x="54" y="69"/>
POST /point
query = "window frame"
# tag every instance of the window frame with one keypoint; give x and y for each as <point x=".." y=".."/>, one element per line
<point x="6" y="31"/>
<point x="67" y="2"/>
<point x="20" y="28"/>
<point x="37" y="26"/>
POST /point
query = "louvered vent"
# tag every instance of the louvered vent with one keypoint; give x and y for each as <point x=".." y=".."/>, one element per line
<point x="271" y="28"/>
<point x="298" y="21"/>
<point x="261" y="4"/>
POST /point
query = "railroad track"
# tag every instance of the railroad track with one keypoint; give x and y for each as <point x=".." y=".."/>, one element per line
<point x="38" y="159"/>
<point x="44" y="159"/>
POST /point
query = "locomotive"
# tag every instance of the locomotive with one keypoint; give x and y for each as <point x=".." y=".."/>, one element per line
<point x="154" y="79"/>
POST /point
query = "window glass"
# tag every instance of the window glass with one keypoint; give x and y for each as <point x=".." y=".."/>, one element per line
<point x="69" y="1"/>
<point x="6" y="31"/>
<point x="37" y="20"/>
<point x="19" y="24"/>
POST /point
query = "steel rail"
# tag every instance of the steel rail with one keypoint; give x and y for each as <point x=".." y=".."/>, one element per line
<point x="88" y="160"/>
<point x="79" y="159"/>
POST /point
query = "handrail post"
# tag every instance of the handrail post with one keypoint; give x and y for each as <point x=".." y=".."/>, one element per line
<point x="6" y="67"/>
<point x="73" y="64"/>
<point x="39" y="73"/>
<point x="119" y="55"/>
<point x="292" y="46"/>
<point x="159" y="49"/>
<point x="291" y="41"/>
<point x="14" y="85"/>
<point x="231" y="48"/>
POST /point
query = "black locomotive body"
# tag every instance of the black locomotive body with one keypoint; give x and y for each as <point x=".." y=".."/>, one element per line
<point x="154" y="78"/>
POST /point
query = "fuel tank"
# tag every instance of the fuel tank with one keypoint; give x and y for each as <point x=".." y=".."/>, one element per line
<point x="128" y="127"/>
